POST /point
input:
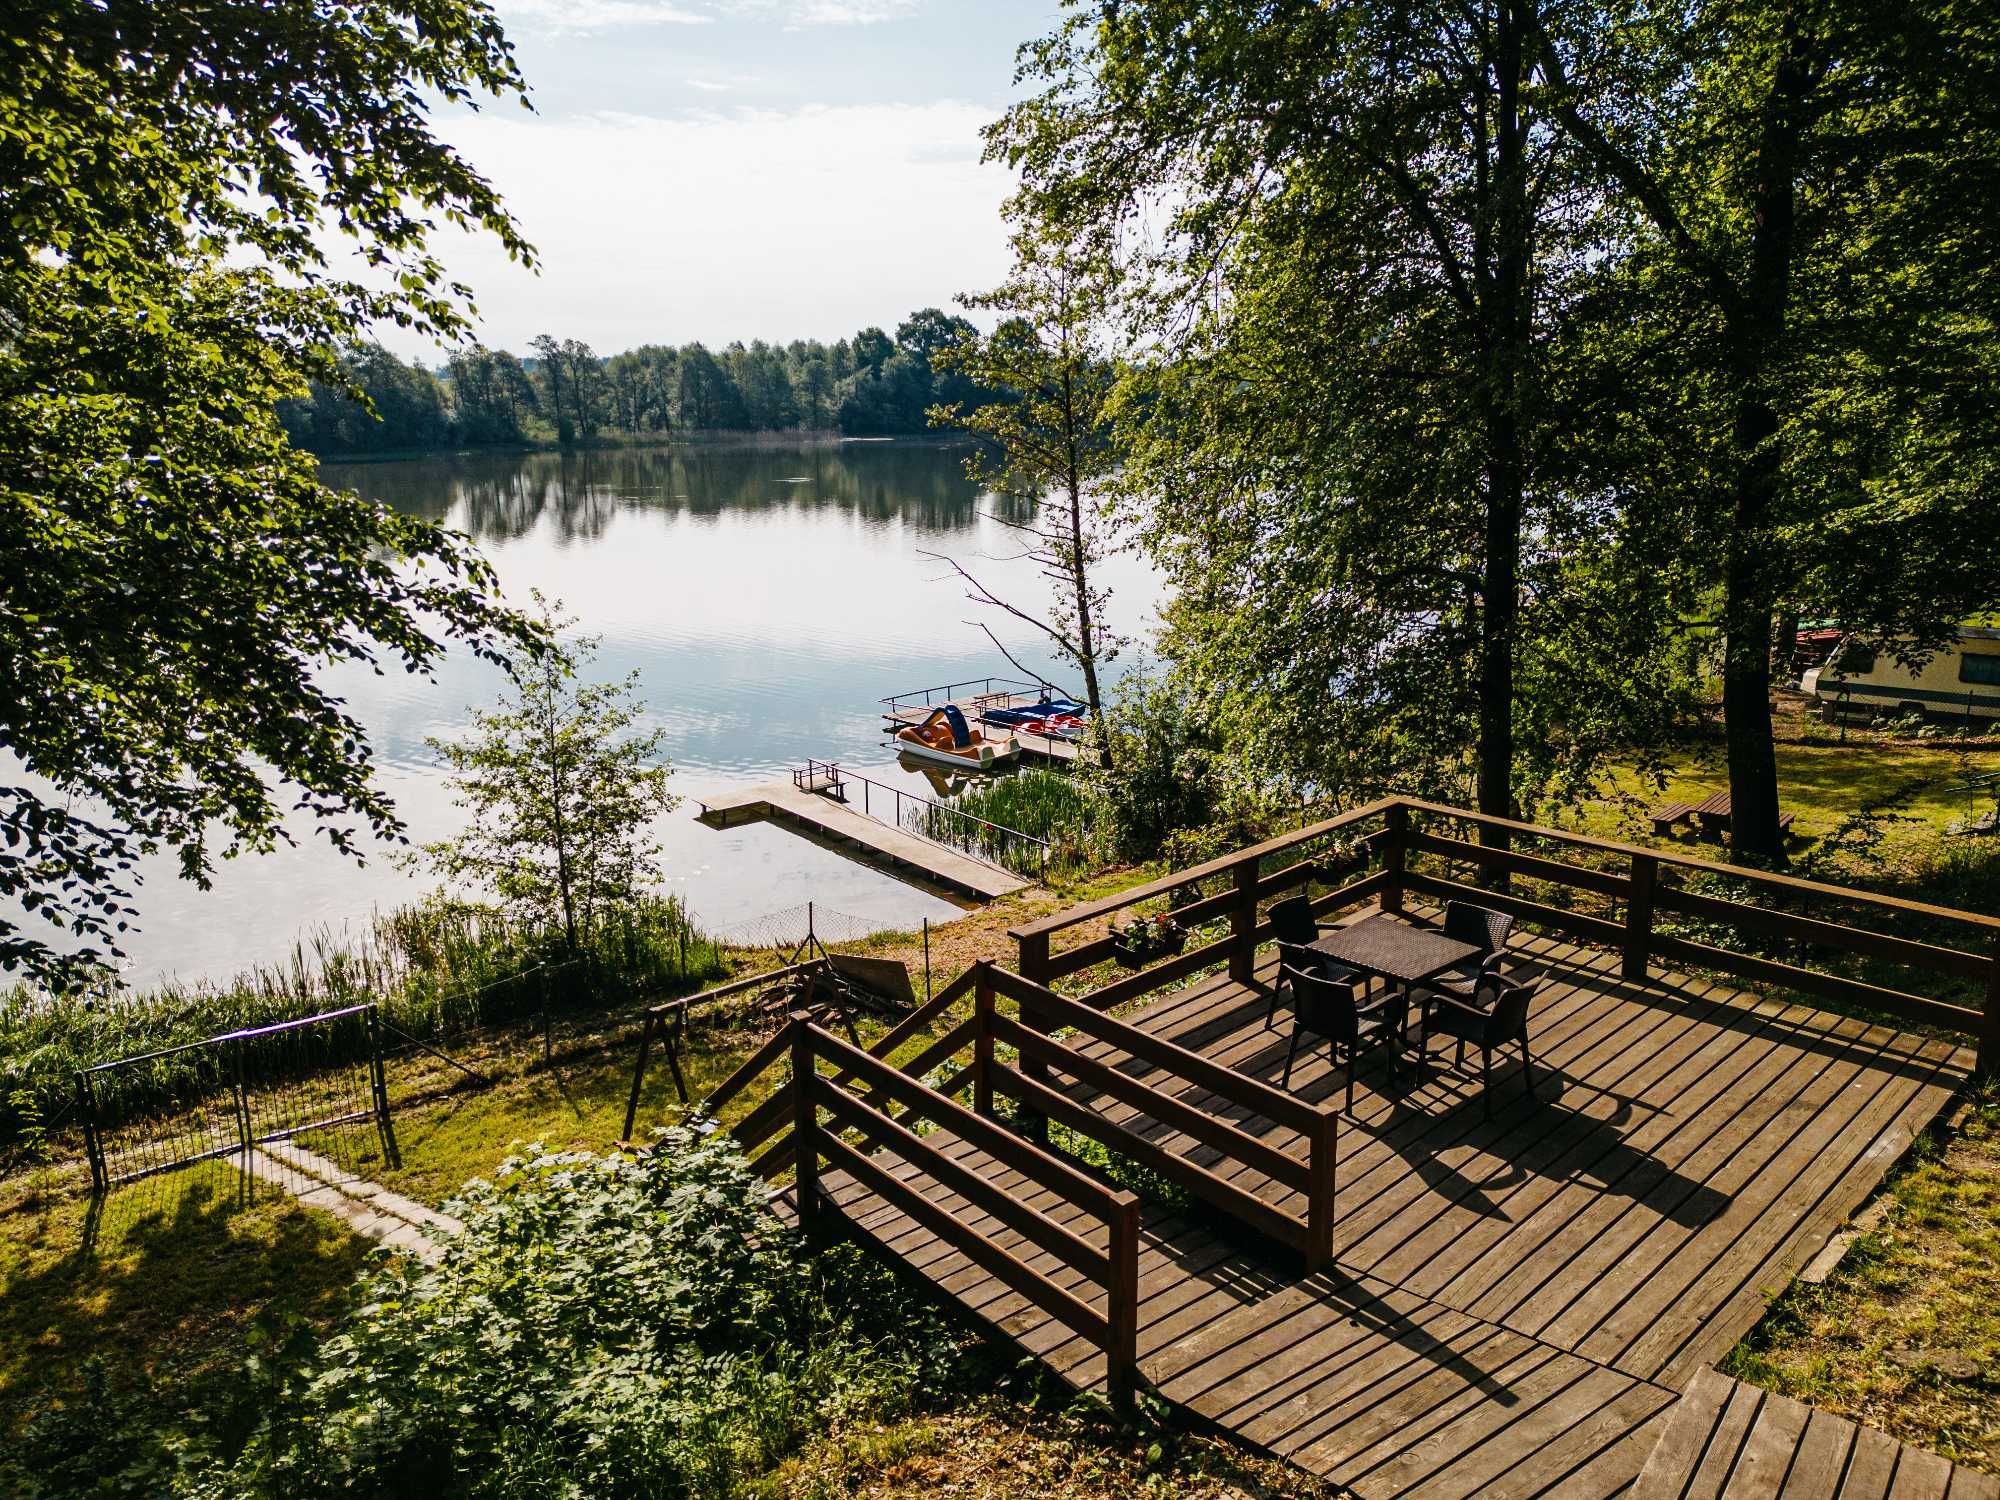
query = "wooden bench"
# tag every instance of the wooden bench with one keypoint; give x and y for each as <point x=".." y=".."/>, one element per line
<point x="1664" y="818"/>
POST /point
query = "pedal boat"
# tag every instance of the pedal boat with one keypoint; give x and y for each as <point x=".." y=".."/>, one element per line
<point x="945" y="739"/>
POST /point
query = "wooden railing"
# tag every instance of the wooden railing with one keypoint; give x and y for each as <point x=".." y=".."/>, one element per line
<point x="1408" y="846"/>
<point x="1176" y="1077"/>
<point x="842" y="1104"/>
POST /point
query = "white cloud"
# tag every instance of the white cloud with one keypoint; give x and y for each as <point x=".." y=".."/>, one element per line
<point x="800" y="13"/>
<point x="597" y="15"/>
<point x="739" y="224"/>
<point x="707" y="85"/>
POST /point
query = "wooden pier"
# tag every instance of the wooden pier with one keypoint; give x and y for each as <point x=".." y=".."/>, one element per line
<point x="862" y="838"/>
<point x="1417" y="1297"/>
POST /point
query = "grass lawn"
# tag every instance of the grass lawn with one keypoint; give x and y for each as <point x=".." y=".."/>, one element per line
<point x="1905" y="1335"/>
<point x="163" y="1282"/>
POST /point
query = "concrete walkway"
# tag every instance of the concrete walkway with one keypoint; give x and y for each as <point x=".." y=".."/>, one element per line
<point x="366" y="1207"/>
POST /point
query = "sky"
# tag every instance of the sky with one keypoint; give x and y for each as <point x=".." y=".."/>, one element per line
<point x="721" y="169"/>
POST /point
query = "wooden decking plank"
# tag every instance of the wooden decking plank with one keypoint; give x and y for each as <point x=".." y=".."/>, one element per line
<point x="1690" y="1428"/>
<point x="1554" y="1162"/>
<point x="1565" y="1224"/>
<point x="1769" y="1451"/>
<point x="1757" y="1234"/>
<point x="1971" y="1484"/>
<point x="1920" y="1475"/>
<point x="1871" y="1466"/>
<point x="1679" y="1197"/>
<point x="1821" y="1458"/>
<point x="1717" y="1462"/>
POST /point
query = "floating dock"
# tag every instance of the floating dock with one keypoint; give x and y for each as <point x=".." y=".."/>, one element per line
<point x="862" y="838"/>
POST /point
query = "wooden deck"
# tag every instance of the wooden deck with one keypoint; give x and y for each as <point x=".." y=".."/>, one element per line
<point x="862" y="838"/>
<point x="1729" y="1439"/>
<point x="1516" y="1304"/>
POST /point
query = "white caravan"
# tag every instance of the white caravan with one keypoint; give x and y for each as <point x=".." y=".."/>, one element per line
<point x="1960" y="681"/>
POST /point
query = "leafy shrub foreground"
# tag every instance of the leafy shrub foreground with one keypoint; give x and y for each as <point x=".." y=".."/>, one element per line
<point x="605" y="1326"/>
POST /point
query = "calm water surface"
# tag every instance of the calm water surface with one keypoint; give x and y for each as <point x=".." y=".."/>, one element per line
<point x="768" y="598"/>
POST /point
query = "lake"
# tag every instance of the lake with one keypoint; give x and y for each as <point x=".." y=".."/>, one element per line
<point x="768" y="596"/>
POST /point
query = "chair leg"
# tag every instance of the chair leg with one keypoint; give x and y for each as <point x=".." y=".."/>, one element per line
<point x="1291" y="1051"/>
<point x="1350" y="1078"/>
<point x="1527" y="1067"/>
<point x="1486" y="1079"/>
<point x="1271" y="1008"/>
<point x="1459" y="1060"/>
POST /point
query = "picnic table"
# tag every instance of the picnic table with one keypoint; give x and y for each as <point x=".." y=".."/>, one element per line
<point x="1394" y="950"/>
<point x="1713" y="814"/>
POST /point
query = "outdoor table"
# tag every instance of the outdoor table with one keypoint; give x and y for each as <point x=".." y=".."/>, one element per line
<point x="1714" y="815"/>
<point x="1394" y="950"/>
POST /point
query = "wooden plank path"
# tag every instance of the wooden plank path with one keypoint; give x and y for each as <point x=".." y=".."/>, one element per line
<point x="1724" y="1438"/>
<point x="1516" y="1303"/>
<point x="862" y="838"/>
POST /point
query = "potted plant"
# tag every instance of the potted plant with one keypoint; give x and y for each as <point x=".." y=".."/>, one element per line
<point x="1144" y="939"/>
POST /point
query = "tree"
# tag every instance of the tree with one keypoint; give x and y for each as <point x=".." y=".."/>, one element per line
<point x="554" y="367"/>
<point x="559" y="801"/>
<point x="1813" y="189"/>
<point x="1366" y="245"/>
<point x="1052" y="430"/>
<point x="174" y="573"/>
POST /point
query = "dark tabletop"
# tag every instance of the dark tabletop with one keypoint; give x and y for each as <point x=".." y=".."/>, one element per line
<point x="1394" y="949"/>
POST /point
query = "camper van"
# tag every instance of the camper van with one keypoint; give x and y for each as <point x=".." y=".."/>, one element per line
<point x="1960" y="681"/>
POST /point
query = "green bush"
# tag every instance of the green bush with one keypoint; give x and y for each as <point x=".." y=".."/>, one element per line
<point x="605" y="1326"/>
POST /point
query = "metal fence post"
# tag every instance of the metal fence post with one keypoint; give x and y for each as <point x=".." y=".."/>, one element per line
<point x="243" y="1131"/>
<point x="380" y="1079"/>
<point x="93" y="1142"/>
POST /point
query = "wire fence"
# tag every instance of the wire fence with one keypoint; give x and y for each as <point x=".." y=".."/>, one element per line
<point x="790" y="926"/>
<point x="316" y="1081"/>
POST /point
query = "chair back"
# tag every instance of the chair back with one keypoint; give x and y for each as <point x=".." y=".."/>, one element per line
<point x="1324" y="1005"/>
<point x="1292" y="921"/>
<point x="1508" y="1001"/>
<point x="1486" y="930"/>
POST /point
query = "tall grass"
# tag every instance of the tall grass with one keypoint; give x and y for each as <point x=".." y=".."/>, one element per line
<point x="1044" y="804"/>
<point x="436" y="970"/>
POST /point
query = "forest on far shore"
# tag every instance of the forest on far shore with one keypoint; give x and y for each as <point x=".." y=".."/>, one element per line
<point x="563" y="391"/>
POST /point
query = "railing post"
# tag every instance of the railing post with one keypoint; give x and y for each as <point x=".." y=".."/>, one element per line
<point x="805" y="1122"/>
<point x="1121" y="1355"/>
<point x="982" y="1042"/>
<point x="242" y="1100"/>
<point x="639" y="1074"/>
<point x="1989" y="1033"/>
<point x="1639" y="916"/>
<point x="1321" y="1176"/>
<point x="1395" y="848"/>
<point x="1034" y="951"/>
<point x="1243" y="924"/>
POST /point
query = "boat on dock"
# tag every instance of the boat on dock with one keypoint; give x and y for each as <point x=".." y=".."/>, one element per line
<point x="945" y="738"/>
<point x="1034" y="714"/>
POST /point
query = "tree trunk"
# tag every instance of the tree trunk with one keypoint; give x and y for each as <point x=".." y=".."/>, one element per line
<point x="1757" y="330"/>
<point x="1086" y="636"/>
<point x="1507" y="356"/>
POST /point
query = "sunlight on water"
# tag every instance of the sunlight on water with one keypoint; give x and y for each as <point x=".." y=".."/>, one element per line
<point x="768" y="597"/>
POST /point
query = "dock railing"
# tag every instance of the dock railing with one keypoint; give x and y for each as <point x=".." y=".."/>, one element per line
<point x="1652" y="906"/>
<point x="940" y="822"/>
<point x="949" y="692"/>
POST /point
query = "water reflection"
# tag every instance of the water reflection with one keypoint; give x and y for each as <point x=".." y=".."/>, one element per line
<point x="767" y="596"/>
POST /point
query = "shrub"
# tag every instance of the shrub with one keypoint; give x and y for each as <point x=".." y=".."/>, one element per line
<point x="604" y="1326"/>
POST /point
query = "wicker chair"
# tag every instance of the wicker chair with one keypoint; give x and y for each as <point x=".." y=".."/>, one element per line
<point x="1486" y="930"/>
<point x="1332" y="1008"/>
<point x="1292" y="921"/>
<point x="1499" y="1015"/>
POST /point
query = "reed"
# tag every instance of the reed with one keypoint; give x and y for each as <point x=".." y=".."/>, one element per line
<point x="436" y="970"/>
<point x="1043" y="804"/>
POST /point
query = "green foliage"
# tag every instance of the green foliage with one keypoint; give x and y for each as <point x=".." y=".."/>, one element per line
<point x="441" y="970"/>
<point x="1045" y="804"/>
<point x="560" y="801"/>
<point x="176" y="576"/>
<point x="1173" y="786"/>
<point x="605" y="1326"/>
<point x="1050" y="385"/>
